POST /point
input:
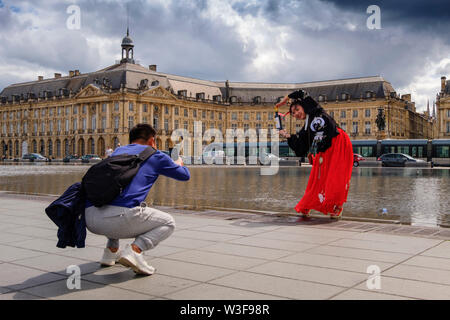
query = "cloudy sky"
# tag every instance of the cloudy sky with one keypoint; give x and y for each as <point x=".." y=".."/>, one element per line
<point x="238" y="40"/>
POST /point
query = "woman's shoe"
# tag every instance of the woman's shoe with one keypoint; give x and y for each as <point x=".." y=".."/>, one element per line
<point x="337" y="215"/>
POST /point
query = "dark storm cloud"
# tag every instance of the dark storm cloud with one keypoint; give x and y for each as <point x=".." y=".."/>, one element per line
<point x="412" y="14"/>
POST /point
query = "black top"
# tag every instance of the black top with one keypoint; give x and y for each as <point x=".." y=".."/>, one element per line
<point x="316" y="136"/>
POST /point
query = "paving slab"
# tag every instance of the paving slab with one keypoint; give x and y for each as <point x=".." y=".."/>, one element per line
<point x="6" y="237"/>
<point x="16" y="277"/>
<point x="8" y="253"/>
<point x="364" y="254"/>
<point x="187" y="243"/>
<point x="411" y="288"/>
<point x="155" y="285"/>
<point x="274" y="244"/>
<point x="247" y="251"/>
<point x="89" y="291"/>
<point x="325" y="238"/>
<point x="429" y="262"/>
<point x="201" y="235"/>
<point x="354" y="294"/>
<point x="207" y="291"/>
<point x="34" y="231"/>
<point x="216" y="259"/>
<point x="231" y="230"/>
<point x="413" y="248"/>
<point x="311" y="274"/>
<point x="333" y="262"/>
<point x="18" y="295"/>
<point x="58" y="264"/>
<point x="440" y="251"/>
<point x="42" y="245"/>
<point x="162" y="250"/>
<point x="287" y="288"/>
<point x="419" y="273"/>
<point x="187" y="270"/>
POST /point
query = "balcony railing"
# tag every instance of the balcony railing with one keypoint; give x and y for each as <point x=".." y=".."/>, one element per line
<point x="100" y="130"/>
<point x="116" y="130"/>
<point x="80" y="131"/>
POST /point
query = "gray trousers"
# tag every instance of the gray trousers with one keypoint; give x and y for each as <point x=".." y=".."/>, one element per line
<point x="148" y="225"/>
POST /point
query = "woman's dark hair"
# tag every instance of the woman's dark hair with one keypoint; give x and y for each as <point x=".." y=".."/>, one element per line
<point x="295" y="102"/>
<point x="142" y="131"/>
<point x="309" y="105"/>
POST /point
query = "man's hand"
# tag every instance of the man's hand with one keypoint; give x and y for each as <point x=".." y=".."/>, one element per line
<point x="179" y="161"/>
<point x="284" y="134"/>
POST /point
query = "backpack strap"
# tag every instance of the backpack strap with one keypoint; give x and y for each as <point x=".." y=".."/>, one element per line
<point x="147" y="153"/>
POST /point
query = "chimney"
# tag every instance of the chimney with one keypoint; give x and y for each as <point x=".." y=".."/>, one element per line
<point x="40" y="78"/>
<point x="77" y="72"/>
<point x="406" y="97"/>
<point x="152" y="67"/>
<point x="57" y="75"/>
<point x="71" y="73"/>
<point x="443" y="81"/>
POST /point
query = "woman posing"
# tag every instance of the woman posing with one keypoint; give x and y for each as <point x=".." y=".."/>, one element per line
<point x="329" y="150"/>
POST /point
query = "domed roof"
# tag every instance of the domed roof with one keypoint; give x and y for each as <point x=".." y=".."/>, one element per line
<point x="127" y="41"/>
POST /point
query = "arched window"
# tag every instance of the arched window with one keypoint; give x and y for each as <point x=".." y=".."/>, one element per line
<point x="66" y="147"/>
<point x="58" y="148"/>
<point x="41" y="146"/>
<point x="81" y="147"/>
<point x="34" y="146"/>
<point x="50" y="148"/>
<point x="91" y="146"/>
<point x="16" y="148"/>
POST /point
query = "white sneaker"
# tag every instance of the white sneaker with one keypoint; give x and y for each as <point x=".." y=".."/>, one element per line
<point x="109" y="258"/>
<point x="132" y="259"/>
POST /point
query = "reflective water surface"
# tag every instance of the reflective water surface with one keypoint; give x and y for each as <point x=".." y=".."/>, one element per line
<point x="411" y="195"/>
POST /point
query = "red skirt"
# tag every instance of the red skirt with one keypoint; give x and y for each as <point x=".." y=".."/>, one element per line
<point x="329" y="180"/>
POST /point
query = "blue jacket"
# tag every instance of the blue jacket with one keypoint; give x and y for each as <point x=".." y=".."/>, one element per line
<point x="67" y="212"/>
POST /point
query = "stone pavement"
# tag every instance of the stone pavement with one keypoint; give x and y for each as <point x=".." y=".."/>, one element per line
<point x="216" y="255"/>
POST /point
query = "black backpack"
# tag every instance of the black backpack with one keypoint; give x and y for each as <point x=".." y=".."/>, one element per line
<point x="104" y="181"/>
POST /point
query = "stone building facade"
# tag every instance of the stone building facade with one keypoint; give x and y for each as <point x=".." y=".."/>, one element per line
<point x="87" y="113"/>
<point x="443" y="109"/>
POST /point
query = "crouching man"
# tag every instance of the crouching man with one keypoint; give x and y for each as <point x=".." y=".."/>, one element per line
<point x="127" y="216"/>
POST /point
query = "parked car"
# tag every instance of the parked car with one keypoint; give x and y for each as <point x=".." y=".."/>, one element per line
<point x="356" y="159"/>
<point x="34" y="157"/>
<point x="88" y="157"/>
<point x="70" y="157"/>
<point x="396" y="159"/>
<point x="214" y="156"/>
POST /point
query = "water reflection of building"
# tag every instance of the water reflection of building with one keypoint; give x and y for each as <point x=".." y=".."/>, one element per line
<point x="86" y="113"/>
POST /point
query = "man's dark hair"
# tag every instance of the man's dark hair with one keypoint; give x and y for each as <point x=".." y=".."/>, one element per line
<point x="141" y="131"/>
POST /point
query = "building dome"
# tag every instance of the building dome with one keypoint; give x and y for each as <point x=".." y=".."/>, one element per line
<point x="127" y="41"/>
<point x="127" y="49"/>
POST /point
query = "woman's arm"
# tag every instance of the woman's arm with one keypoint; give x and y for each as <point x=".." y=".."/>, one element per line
<point x="282" y="102"/>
